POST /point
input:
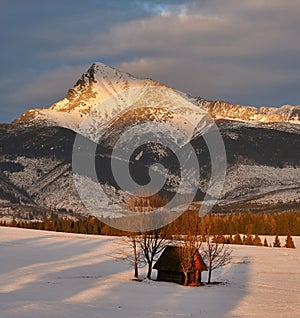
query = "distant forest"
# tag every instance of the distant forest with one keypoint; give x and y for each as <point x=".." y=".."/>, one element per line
<point x="219" y="224"/>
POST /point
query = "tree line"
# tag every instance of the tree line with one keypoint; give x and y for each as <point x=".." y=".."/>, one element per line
<point x="255" y="240"/>
<point x="220" y="224"/>
<point x="249" y="223"/>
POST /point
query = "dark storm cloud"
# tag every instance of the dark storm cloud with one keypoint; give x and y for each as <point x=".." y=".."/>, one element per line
<point x="242" y="51"/>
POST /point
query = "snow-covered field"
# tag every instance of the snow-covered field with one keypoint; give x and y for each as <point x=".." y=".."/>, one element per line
<point x="47" y="274"/>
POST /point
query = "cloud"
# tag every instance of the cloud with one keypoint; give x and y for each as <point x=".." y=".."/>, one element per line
<point x="49" y="86"/>
<point x="40" y="91"/>
<point x="236" y="83"/>
<point x="33" y="34"/>
<point x="238" y="50"/>
<point x="243" y="51"/>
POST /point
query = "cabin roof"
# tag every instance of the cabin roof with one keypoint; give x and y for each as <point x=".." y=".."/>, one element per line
<point x="170" y="260"/>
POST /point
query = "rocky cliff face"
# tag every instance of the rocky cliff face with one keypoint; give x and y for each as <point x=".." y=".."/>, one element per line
<point x="283" y="114"/>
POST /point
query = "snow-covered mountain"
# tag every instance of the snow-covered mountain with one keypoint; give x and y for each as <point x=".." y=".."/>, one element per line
<point x="283" y="114"/>
<point x="97" y="84"/>
<point x="101" y="83"/>
<point x="116" y="92"/>
<point x="262" y="144"/>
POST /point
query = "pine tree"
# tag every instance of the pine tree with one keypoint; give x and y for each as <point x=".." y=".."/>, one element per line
<point x="248" y="239"/>
<point x="266" y="242"/>
<point x="289" y="243"/>
<point x="237" y="239"/>
<point x="276" y="242"/>
<point x="257" y="241"/>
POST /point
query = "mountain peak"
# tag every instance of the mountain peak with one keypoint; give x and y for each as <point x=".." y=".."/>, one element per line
<point x="97" y="84"/>
<point x="98" y="72"/>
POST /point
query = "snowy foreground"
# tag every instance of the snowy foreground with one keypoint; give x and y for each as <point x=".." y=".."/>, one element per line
<point x="46" y="274"/>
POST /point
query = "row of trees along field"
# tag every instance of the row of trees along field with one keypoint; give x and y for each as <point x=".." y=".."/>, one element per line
<point x="92" y="225"/>
<point x="221" y="224"/>
<point x="255" y="240"/>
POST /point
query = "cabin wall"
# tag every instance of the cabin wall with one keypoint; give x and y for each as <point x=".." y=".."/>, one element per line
<point x="166" y="276"/>
<point x="178" y="277"/>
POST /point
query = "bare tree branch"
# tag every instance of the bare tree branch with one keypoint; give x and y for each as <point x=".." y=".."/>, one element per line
<point x="215" y="255"/>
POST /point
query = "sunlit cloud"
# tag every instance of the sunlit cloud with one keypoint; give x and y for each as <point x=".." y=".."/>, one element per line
<point x="243" y="51"/>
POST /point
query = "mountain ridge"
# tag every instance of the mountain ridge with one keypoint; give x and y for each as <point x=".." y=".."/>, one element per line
<point x="100" y="82"/>
<point x="264" y="114"/>
<point x="263" y="167"/>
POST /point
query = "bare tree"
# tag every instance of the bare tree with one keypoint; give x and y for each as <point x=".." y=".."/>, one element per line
<point x="215" y="255"/>
<point x="151" y="245"/>
<point x="128" y="250"/>
<point x="189" y="243"/>
<point x="152" y="242"/>
<point x="186" y="253"/>
<point x="145" y="246"/>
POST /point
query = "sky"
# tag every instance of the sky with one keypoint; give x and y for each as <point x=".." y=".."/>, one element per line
<point x="241" y="51"/>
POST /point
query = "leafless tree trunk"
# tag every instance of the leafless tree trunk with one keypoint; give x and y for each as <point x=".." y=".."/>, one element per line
<point x="151" y="245"/>
<point x="215" y="255"/>
<point x="136" y="254"/>
<point x="146" y="246"/>
<point x="189" y="243"/>
<point x="135" y="259"/>
<point x="128" y="250"/>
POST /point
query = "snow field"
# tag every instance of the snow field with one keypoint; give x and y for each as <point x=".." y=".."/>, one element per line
<point x="49" y="274"/>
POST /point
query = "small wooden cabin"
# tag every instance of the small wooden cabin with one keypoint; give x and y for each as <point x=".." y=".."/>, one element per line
<point x="169" y="267"/>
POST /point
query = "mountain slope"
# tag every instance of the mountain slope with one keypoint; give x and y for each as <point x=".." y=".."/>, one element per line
<point x="262" y="145"/>
<point x="258" y="170"/>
